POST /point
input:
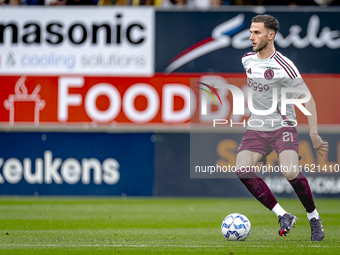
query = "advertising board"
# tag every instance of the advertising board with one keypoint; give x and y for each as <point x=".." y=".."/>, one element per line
<point x="105" y="41"/>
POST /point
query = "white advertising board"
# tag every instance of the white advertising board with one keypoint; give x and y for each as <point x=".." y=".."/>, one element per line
<point x="112" y="41"/>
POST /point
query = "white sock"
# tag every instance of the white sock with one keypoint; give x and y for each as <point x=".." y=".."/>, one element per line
<point x="278" y="210"/>
<point x="313" y="214"/>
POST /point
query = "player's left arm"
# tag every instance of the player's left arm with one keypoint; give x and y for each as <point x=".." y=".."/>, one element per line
<point x="318" y="144"/>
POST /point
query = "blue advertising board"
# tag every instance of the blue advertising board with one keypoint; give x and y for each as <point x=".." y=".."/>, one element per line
<point x="215" y="41"/>
<point x="76" y="164"/>
<point x="145" y="165"/>
<point x="172" y="171"/>
<point x="176" y="154"/>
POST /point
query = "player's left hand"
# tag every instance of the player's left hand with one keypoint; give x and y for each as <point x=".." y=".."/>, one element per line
<point x="318" y="144"/>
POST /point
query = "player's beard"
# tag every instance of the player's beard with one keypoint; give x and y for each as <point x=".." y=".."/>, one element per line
<point x="260" y="46"/>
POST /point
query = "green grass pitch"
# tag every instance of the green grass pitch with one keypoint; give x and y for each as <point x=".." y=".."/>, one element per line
<point x="155" y="225"/>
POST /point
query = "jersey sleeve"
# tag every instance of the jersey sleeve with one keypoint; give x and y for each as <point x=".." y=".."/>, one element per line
<point x="293" y="79"/>
<point x="243" y="62"/>
<point x="246" y="58"/>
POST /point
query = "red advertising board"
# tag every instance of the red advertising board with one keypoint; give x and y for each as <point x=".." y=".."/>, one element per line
<point x="119" y="101"/>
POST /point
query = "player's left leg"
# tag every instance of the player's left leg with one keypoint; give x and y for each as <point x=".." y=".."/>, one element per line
<point x="289" y="166"/>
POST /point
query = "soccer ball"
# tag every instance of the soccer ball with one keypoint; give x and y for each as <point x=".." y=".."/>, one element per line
<point x="236" y="227"/>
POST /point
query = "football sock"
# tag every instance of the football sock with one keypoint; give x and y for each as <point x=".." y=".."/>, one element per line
<point x="278" y="210"/>
<point x="257" y="187"/>
<point x="313" y="214"/>
<point x="302" y="190"/>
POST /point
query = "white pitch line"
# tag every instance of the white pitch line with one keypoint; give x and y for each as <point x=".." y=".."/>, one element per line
<point x="149" y="245"/>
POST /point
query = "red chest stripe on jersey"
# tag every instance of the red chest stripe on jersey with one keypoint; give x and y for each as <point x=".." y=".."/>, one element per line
<point x="283" y="66"/>
<point x="291" y="69"/>
<point x="273" y="55"/>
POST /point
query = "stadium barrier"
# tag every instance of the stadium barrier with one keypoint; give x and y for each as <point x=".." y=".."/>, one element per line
<point x="76" y="121"/>
<point x="76" y="164"/>
<point x="143" y="164"/>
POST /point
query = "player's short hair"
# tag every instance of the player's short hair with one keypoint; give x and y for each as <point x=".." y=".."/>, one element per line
<point x="269" y="22"/>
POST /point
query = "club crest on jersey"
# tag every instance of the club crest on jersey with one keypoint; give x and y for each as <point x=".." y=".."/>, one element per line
<point x="269" y="74"/>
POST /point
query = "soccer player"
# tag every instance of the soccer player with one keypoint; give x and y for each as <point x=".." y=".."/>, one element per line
<point x="268" y="70"/>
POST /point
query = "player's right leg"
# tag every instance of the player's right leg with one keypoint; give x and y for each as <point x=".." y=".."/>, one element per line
<point x="253" y="147"/>
<point x="245" y="159"/>
<point x="259" y="189"/>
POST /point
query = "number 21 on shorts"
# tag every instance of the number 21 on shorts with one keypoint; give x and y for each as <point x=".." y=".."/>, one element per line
<point x="287" y="137"/>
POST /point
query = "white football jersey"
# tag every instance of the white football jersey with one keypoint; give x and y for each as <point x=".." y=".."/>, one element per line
<point x="263" y="76"/>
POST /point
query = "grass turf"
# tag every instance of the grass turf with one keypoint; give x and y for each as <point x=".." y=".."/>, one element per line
<point x="155" y="225"/>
